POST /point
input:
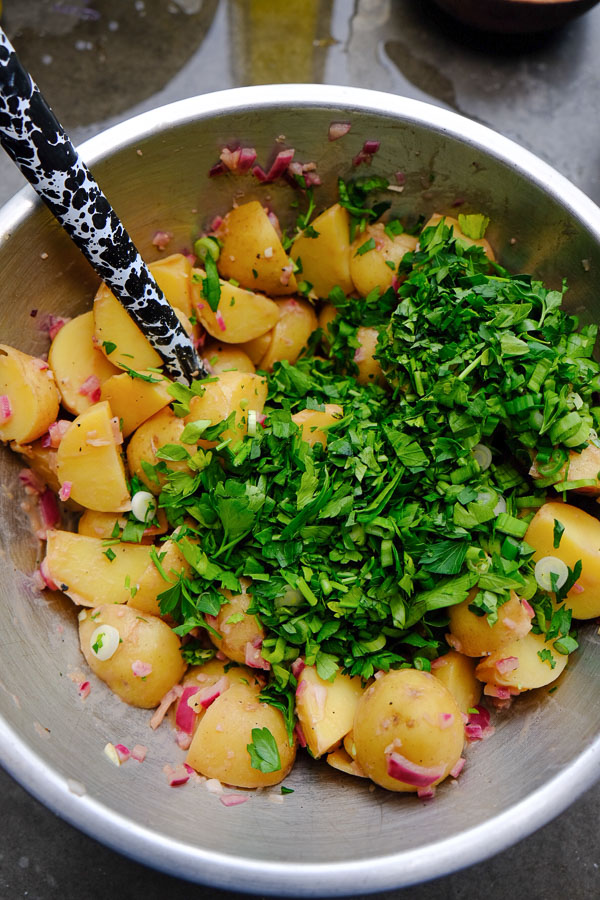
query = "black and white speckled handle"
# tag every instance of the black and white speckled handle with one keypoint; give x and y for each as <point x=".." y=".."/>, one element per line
<point x="31" y="134"/>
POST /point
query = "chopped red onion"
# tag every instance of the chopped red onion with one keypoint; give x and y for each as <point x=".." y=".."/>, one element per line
<point x="41" y="364"/>
<point x="141" y="669"/>
<point x="426" y="793"/>
<point x="528" y="608"/>
<point x="84" y="689"/>
<point x="65" y="490"/>
<point x="216" y="223"/>
<point x="185" y="716"/>
<point x="253" y="656"/>
<point x="577" y="589"/>
<point x="367" y="153"/>
<point x="446" y="720"/>
<point x="232" y="799"/>
<point x="161" y="711"/>
<point x="299" y="734"/>
<point x="508" y="664"/>
<point x="209" y="694"/>
<point x="32" y="481"/>
<point x="439" y="662"/>
<point x="123" y="752"/>
<point x="218" y="169"/>
<point x="220" y="320"/>
<point x="189" y="769"/>
<point x="162" y="239"/>
<point x="183" y="740"/>
<point x="176" y="776"/>
<point x="338" y="130"/>
<point x="116" y="430"/>
<point x="403" y="769"/>
<point x="302" y="685"/>
<point x="286" y="274"/>
<point x="91" y="388"/>
<point x="56" y="432"/>
<point x="458" y="767"/>
<point x="297" y="666"/>
<point x="138" y="752"/>
<point x="238" y="161"/>
<point x="49" y="509"/>
<point x="45" y="573"/>
<point x="400" y="177"/>
<point x="278" y="167"/>
<point x="5" y="408"/>
<point x="52" y="324"/>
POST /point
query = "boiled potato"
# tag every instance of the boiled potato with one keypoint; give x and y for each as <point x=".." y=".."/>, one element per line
<point x="327" y="314"/>
<point x="314" y="422"/>
<point x="79" y="566"/>
<point x="173" y="275"/>
<point x="115" y="331"/>
<point x="237" y="392"/>
<point x="325" y="259"/>
<point x="29" y="397"/>
<point x="241" y="315"/>
<point x="240" y="635"/>
<point x="451" y="222"/>
<point x="134" y="400"/>
<point x="580" y="541"/>
<point x="102" y="525"/>
<point x="225" y="358"/>
<point x="251" y="252"/>
<point x="151" y="582"/>
<point x="297" y="321"/>
<point x="213" y="672"/>
<point x="473" y="636"/>
<point x="530" y="670"/>
<point x="162" y="428"/>
<point x="370" y="269"/>
<point x="89" y="459"/>
<point x="74" y="359"/>
<point x="407" y="725"/>
<point x="142" y="644"/>
<point x="257" y="348"/>
<point x="457" y="672"/>
<point x="369" y="369"/>
<point x="326" y="709"/>
<point x="339" y="759"/>
<point x="219" y="746"/>
<point x="584" y="464"/>
<point x="42" y="460"/>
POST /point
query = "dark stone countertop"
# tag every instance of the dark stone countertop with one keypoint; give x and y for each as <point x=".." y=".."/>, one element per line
<point x="91" y="61"/>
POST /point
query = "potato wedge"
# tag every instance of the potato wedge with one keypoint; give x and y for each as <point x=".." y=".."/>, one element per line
<point x="240" y="635"/>
<point x="162" y="428"/>
<point x="242" y="315"/>
<point x="580" y="541"/>
<point x="79" y="566"/>
<point x="252" y="253"/>
<point x="225" y="358"/>
<point x="325" y="259"/>
<point x="116" y="332"/>
<point x="151" y="582"/>
<point x="297" y="321"/>
<point x="457" y="672"/>
<point x="369" y="269"/>
<point x="326" y="708"/>
<point x="134" y="400"/>
<point x="173" y="275"/>
<point x="74" y="359"/>
<point x="89" y="459"/>
<point x="234" y="392"/>
<point x="29" y="397"/>
<point x="519" y="665"/>
<point x="314" y="422"/>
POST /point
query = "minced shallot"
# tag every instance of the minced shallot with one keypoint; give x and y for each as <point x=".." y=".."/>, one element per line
<point x="338" y="130"/>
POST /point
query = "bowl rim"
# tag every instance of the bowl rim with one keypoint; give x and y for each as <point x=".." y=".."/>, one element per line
<point x="307" y="879"/>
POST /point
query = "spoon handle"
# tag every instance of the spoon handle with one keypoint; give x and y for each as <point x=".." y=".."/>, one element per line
<point x="35" y="140"/>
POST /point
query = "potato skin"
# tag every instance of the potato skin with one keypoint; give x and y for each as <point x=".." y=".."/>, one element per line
<point x="234" y="636"/>
<point x="145" y="638"/>
<point x="219" y="746"/>
<point x="474" y="637"/>
<point x="413" y="712"/>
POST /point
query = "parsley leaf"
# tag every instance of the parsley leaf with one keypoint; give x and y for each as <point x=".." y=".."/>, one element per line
<point x="263" y="751"/>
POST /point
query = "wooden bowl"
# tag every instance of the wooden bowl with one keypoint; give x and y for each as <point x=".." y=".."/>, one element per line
<point x="515" y="16"/>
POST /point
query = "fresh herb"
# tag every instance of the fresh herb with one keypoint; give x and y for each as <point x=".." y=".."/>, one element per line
<point x="558" y="533"/>
<point x="109" y="347"/>
<point x="110" y="554"/>
<point x="211" y="286"/>
<point x="263" y="751"/>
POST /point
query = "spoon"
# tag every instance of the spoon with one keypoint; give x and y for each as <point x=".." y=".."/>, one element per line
<point x="35" y="140"/>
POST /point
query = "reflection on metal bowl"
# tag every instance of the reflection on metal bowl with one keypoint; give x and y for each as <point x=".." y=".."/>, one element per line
<point x="333" y="835"/>
<point x="515" y="16"/>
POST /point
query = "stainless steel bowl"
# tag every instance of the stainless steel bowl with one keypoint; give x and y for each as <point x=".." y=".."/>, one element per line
<point x="334" y="835"/>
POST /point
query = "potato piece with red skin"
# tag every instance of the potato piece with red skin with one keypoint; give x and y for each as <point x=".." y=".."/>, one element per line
<point x="370" y="270"/>
<point x="580" y="540"/>
<point x="408" y="731"/>
<point x="29" y="398"/>
<point x="457" y="672"/>
<point x="519" y="665"/>
<point x="239" y="635"/>
<point x="219" y="748"/>
<point x="472" y="635"/>
<point x="144" y="640"/>
<point x="252" y="253"/>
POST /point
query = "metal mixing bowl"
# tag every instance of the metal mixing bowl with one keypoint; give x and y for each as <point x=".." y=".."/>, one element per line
<point x="334" y="835"/>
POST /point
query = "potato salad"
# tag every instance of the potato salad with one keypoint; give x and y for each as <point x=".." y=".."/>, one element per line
<point x="362" y="532"/>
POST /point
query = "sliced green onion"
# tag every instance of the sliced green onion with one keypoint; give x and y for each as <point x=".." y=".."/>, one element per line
<point x="511" y="548"/>
<point x="574" y="485"/>
<point x="387" y="555"/>
<point x="206" y="246"/>
<point x="483" y="456"/>
<point x="551" y="573"/>
<point x="509" y="525"/>
<point x="252" y="422"/>
<point x="143" y="506"/>
<point x="465" y="473"/>
<point x="565" y="427"/>
<point x="104" y="641"/>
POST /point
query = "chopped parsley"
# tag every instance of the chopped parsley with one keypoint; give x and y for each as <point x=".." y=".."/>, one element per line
<point x="263" y="751"/>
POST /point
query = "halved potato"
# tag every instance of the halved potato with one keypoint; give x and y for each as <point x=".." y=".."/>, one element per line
<point x="89" y="459"/>
<point x="369" y="269"/>
<point x="326" y="708"/>
<point x="452" y="222"/>
<point x="74" y="359"/>
<point x="80" y="567"/>
<point x="519" y="665"/>
<point x="242" y="315"/>
<point x="314" y="422"/>
<point x="29" y="397"/>
<point x="237" y="392"/>
<point x="151" y="582"/>
<point x="134" y="400"/>
<point x="474" y="636"/>
<point x="117" y="332"/>
<point x="297" y="321"/>
<point x="251" y="252"/>
<point x="173" y="275"/>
